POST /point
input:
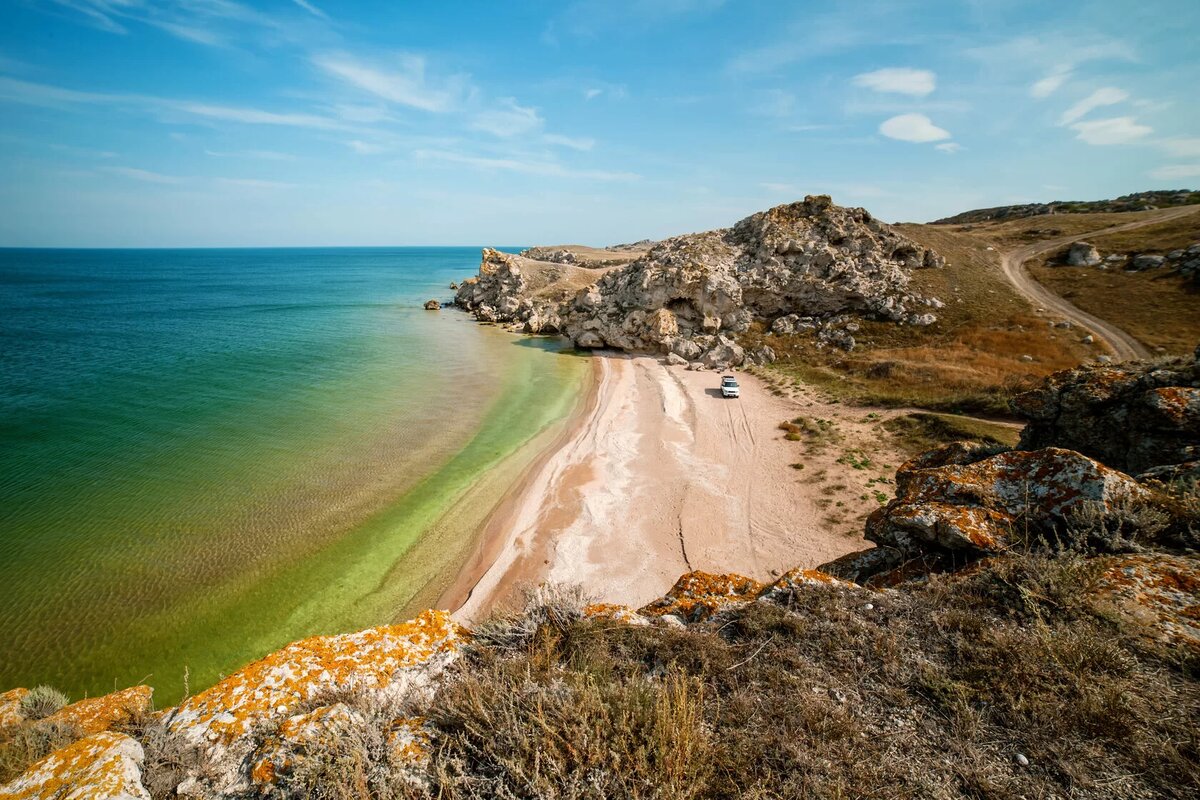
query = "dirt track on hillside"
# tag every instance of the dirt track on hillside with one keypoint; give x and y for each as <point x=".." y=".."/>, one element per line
<point x="1123" y="345"/>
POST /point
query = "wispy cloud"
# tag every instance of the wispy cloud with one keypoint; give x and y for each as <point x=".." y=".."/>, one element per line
<point x="1182" y="147"/>
<point x="1116" y="130"/>
<point x="1176" y="171"/>
<point x="406" y="83"/>
<point x="898" y="80"/>
<point x="312" y="9"/>
<point x="508" y="119"/>
<point x="264" y="155"/>
<point x="1050" y="83"/>
<point x="546" y="169"/>
<point x="913" y="128"/>
<point x="1107" y="96"/>
<point x="144" y="175"/>
<point x="255" y="183"/>
<point x="365" y="148"/>
<point x="949" y="147"/>
<point x="582" y="144"/>
<point x="254" y="116"/>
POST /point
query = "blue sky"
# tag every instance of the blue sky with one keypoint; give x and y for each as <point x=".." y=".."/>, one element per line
<point x="309" y="122"/>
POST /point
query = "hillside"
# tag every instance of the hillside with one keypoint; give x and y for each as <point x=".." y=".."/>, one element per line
<point x="1025" y="626"/>
<point x="1139" y="201"/>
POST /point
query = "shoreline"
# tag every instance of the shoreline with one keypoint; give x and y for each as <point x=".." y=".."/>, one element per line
<point x="656" y="476"/>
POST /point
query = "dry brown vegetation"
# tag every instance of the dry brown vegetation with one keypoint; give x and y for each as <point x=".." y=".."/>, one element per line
<point x="1001" y="683"/>
<point x="1159" y="307"/>
<point x="919" y="431"/>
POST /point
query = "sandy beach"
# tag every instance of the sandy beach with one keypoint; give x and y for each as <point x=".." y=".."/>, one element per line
<point x="661" y="475"/>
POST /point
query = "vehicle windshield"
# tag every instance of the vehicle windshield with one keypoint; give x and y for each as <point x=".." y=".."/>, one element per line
<point x="729" y="381"/>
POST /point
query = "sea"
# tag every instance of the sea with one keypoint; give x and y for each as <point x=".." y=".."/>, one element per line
<point x="206" y="454"/>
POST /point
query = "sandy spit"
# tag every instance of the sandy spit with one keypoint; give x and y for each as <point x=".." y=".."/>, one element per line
<point x="660" y="476"/>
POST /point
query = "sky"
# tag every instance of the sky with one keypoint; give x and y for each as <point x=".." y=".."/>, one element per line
<point x="193" y="123"/>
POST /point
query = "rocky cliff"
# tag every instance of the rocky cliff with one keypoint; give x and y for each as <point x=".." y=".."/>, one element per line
<point x="1033" y="611"/>
<point x="808" y="265"/>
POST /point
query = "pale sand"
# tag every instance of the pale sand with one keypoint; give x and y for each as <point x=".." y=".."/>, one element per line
<point x="662" y="476"/>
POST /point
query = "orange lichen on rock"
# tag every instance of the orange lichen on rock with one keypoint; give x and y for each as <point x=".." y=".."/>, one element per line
<point x="279" y="753"/>
<point x="103" y="766"/>
<point x="615" y="612"/>
<point x="410" y="741"/>
<point x="10" y="707"/>
<point x="699" y="595"/>
<point x="799" y="578"/>
<point x="97" y="714"/>
<point x="974" y="506"/>
<point x="391" y="661"/>
<point x="1158" y="590"/>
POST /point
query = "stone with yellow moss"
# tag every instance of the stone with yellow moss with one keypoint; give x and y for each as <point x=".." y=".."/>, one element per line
<point x="10" y="707"/>
<point x="389" y="663"/>
<point x="97" y="714"/>
<point x="103" y="766"/>
<point x="697" y="595"/>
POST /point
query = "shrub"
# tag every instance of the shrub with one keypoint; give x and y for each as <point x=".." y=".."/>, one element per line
<point x="42" y="701"/>
<point x="28" y="742"/>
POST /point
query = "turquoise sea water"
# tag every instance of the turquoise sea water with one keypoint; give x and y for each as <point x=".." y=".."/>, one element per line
<point x="205" y="454"/>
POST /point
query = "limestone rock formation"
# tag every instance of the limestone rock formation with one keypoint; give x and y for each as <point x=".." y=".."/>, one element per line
<point x="103" y="766"/>
<point x="392" y="662"/>
<point x="96" y="714"/>
<point x="976" y="507"/>
<point x="432" y="305"/>
<point x="1132" y="417"/>
<point x="807" y="263"/>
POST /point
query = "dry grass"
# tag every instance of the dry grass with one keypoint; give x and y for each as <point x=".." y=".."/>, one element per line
<point x="930" y="693"/>
<point x="27" y="742"/>
<point x="919" y="431"/>
<point x="969" y="360"/>
<point x="1159" y="307"/>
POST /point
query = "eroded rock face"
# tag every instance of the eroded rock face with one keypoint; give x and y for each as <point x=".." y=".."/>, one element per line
<point x="103" y="766"/>
<point x="394" y="662"/>
<point x="1159" y="590"/>
<point x="1133" y="417"/>
<point x="810" y="260"/>
<point x="10" y="707"/>
<point x="973" y="507"/>
<point x="97" y="714"/>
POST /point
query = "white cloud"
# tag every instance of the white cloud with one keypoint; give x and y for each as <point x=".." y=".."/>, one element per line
<point x="365" y="148"/>
<point x="312" y="9"/>
<point x="144" y="175"/>
<point x="1116" y="130"/>
<point x="406" y="85"/>
<point x="913" y="128"/>
<point x="948" y="147"/>
<point x="254" y="116"/>
<point x="592" y="94"/>
<point x="1107" y="96"/>
<point x="508" y="120"/>
<point x="582" y="144"/>
<point x="542" y="168"/>
<point x="255" y="183"/>
<point x="1051" y="83"/>
<point x="1174" y="171"/>
<point x="1182" y="147"/>
<point x="898" y="80"/>
<point x="774" y="103"/>
<point x="265" y="155"/>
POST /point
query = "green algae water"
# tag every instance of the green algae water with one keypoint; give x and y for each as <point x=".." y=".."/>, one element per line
<point x="206" y="454"/>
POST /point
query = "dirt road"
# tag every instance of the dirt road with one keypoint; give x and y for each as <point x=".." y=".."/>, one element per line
<point x="1123" y="345"/>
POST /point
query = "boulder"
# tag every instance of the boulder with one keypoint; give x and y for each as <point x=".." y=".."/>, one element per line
<point x="392" y="662"/>
<point x="973" y="508"/>
<point x="1145" y="262"/>
<point x="97" y="714"/>
<point x="1132" y="416"/>
<point x="103" y="766"/>
<point x="1082" y="254"/>
<point x="10" y="707"/>
<point x="697" y="596"/>
<point x="432" y="305"/>
<point x="676" y="360"/>
<point x="1157" y="592"/>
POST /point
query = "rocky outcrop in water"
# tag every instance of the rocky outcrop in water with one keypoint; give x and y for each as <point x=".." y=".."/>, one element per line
<point x="691" y="295"/>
